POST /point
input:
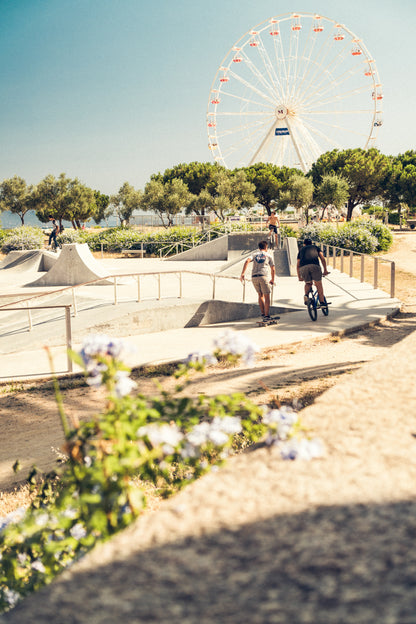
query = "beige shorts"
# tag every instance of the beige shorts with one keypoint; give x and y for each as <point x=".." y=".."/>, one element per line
<point x="311" y="273"/>
<point x="261" y="284"/>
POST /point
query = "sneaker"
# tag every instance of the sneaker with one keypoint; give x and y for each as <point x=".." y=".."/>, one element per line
<point x="266" y="318"/>
<point x="305" y="299"/>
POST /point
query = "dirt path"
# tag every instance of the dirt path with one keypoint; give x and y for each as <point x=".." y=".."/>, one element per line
<point x="29" y="419"/>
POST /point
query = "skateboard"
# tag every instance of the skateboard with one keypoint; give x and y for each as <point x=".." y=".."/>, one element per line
<point x="272" y="321"/>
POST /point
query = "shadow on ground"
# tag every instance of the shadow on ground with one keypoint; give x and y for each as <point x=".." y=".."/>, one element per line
<point x="334" y="564"/>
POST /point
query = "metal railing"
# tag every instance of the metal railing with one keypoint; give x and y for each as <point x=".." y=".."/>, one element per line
<point x="68" y="326"/>
<point x="24" y="305"/>
<point x="344" y="259"/>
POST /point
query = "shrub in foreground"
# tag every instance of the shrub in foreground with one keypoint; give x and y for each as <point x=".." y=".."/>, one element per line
<point x="169" y="440"/>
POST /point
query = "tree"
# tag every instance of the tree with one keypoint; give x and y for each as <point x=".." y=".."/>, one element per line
<point x="400" y="187"/>
<point x="104" y="210"/>
<point x="332" y="191"/>
<point x="80" y="202"/>
<point x="269" y="181"/>
<point x="195" y="175"/>
<point x="16" y="196"/>
<point x="63" y="199"/>
<point x="298" y="193"/>
<point x="366" y="172"/>
<point x="167" y="199"/>
<point x="230" y="192"/>
<point x="126" y="201"/>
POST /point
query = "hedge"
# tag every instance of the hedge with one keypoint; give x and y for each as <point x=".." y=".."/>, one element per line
<point x="362" y="235"/>
<point x="23" y="237"/>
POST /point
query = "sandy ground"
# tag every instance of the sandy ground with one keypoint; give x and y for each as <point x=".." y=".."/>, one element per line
<point x="29" y="418"/>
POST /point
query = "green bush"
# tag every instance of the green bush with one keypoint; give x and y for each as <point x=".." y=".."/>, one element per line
<point x="379" y="230"/>
<point x="361" y="235"/>
<point x="72" y="236"/>
<point x="394" y="218"/>
<point x="167" y="440"/>
<point x="3" y="236"/>
<point x="356" y="238"/>
<point x="286" y="231"/>
<point x="23" y="237"/>
<point x="347" y="236"/>
<point x="378" y="211"/>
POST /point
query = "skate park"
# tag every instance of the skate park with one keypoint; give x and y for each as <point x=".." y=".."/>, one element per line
<point x="164" y="308"/>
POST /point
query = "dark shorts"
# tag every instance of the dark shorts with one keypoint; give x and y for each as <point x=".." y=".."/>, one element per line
<point x="273" y="227"/>
<point x="261" y="284"/>
<point x="311" y="273"/>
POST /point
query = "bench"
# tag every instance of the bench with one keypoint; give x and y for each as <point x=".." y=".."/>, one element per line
<point x="127" y="252"/>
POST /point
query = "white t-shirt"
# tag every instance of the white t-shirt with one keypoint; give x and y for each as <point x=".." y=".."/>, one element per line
<point x="261" y="260"/>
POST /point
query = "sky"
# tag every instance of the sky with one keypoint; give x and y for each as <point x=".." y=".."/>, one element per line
<point x="115" y="90"/>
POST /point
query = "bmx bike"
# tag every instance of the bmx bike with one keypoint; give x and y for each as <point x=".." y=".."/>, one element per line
<point x="271" y="241"/>
<point x="314" y="304"/>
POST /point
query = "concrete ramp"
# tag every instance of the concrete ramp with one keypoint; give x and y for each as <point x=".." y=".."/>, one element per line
<point x="241" y="244"/>
<point x="232" y="246"/>
<point x="216" y="249"/>
<point x="28" y="260"/>
<point x="75" y="265"/>
<point x="281" y="262"/>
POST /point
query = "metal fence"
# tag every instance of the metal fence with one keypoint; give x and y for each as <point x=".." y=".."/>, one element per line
<point x="28" y="304"/>
<point x="343" y="259"/>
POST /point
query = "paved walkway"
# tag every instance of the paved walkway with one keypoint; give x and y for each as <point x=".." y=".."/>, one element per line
<point x="22" y="356"/>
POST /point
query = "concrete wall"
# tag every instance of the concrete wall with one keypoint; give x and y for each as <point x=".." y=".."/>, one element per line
<point x="232" y="246"/>
<point x="135" y="319"/>
<point x="290" y="244"/>
<point x="242" y="243"/>
<point x="213" y="250"/>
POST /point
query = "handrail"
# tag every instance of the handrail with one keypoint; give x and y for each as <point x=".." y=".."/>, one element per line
<point x="68" y="327"/>
<point x="350" y="253"/>
<point x="115" y="276"/>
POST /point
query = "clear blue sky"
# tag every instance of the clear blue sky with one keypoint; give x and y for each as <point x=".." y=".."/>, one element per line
<point x="115" y="90"/>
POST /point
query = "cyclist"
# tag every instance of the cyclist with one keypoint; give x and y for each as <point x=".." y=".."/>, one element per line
<point x="274" y="222"/>
<point x="309" y="269"/>
<point x="261" y="260"/>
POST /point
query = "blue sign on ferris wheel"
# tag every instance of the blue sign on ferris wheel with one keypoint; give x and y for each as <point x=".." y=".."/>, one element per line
<point x="281" y="131"/>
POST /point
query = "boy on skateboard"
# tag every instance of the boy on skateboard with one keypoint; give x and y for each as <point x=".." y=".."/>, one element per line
<point x="262" y="276"/>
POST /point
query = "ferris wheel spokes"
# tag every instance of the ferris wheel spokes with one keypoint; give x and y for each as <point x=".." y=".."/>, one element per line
<point x="339" y="96"/>
<point x="257" y="74"/>
<point x="247" y="84"/>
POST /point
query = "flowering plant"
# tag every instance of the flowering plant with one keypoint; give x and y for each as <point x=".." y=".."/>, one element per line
<point x="167" y="440"/>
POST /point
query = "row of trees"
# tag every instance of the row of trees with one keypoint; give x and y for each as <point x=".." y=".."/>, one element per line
<point x="338" y="178"/>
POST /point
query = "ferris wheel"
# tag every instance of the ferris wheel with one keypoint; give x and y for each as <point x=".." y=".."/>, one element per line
<point x="291" y="88"/>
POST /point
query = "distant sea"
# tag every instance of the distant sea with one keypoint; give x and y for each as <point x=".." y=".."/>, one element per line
<point x="10" y="220"/>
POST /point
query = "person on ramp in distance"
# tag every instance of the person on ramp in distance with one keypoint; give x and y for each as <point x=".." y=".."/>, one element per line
<point x="262" y="276"/>
<point x="53" y="234"/>
<point x="309" y="269"/>
<point x="274" y="223"/>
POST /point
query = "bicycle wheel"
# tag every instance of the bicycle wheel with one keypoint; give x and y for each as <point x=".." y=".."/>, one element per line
<point x="313" y="312"/>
